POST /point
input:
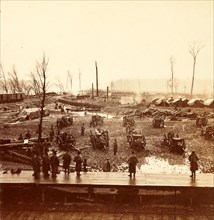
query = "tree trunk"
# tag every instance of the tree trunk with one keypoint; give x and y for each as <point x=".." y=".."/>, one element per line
<point x="193" y="77"/>
<point x="41" y="114"/>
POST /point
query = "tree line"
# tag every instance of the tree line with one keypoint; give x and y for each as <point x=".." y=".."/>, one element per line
<point x="10" y="81"/>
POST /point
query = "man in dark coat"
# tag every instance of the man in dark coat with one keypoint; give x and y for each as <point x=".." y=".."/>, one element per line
<point x="193" y="159"/>
<point x="36" y="165"/>
<point x="28" y="135"/>
<point x="20" y="138"/>
<point x="85" y="165"/>
<point x="115" y="147"/>
<point x="78" y="161"/>
<point x="82" y="130"/>
<point x="46" y="165"/>
<point x="132" y="164"/>
<point x="107" y="166"/>
<point x="54" y="161"/>
<point x="66" y="162"/>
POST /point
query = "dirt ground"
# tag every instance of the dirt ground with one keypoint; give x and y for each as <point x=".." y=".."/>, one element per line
<point x="155" y="157"/>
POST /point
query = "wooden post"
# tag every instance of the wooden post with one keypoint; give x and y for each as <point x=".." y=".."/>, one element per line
<point x="97" y="78"/>
<point x="92" y="91"/>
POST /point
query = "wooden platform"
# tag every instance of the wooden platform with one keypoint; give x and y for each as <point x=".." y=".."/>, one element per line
<point x="108" y="187"/>
<point x="112" y="179"/>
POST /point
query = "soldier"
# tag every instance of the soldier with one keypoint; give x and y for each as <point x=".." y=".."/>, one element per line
<point x="36" y="165"/>
<point x="85" y="165"/>
<point x="78" y="161"/>
<point x="115" y="147"/>
<point x="28" y="135"/>
<point x="46" y="164"/>
<point x="132" y="164"/>
<point x="193" y="158"/>
<point x="82" y="130"/>
<point x="66" y="161"/>
<point x="107" y="166"/>
<point x="20" y="138"/>
<point x="54" y="161"/>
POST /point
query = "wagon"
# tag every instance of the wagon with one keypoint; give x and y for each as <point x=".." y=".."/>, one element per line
<point x="158" y="122"/>
<point x="175" y="144"/>
<point x="96" y="120"/>
<point x="100" y="139"/>
<point x="136" y="140"/>
<point x="64" y="121"/>
<point x="201" y="121"/>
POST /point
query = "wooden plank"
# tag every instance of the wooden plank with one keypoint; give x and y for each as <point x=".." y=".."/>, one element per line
<point x="12" y="145"/>
<point x="112" y="179"/>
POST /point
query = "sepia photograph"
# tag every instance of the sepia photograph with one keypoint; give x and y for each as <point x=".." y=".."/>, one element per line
<point x="106" y="110"/>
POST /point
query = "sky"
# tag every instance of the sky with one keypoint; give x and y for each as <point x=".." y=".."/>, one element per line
<point x="128" y="39"/>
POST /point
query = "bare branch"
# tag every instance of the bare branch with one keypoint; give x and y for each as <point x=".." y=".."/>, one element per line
<point x="194" y="49"/>
<point x="3" y="80"/>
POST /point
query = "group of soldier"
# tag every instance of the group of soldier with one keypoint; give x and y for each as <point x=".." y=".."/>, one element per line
<point x="51" y="164"/>
<point x="26" y="136"/>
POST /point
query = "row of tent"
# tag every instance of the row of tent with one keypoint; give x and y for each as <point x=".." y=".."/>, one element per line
<point x="183" y="102"/>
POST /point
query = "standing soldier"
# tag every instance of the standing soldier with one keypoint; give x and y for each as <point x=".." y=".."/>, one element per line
<point x="66" y="162"/>
<point x="193" y="159"/>
<point x="28" y="135"/>
<point x="46" y="165"/>
<point x="115" y="147"/>
<point x="54" y="161"/>
<point x="132" y="164"/>
<point x="85" y="165"/>
<point x="20" y="138"/>
<point x="36" y="165"/>
<point x="78" y="161"/>
<point x="58" y="136"/>
<point x="107" y="166"/>
<point x="82" y="130"/>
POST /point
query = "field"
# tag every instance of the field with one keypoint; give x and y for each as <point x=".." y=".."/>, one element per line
<point x="154" y="158"/>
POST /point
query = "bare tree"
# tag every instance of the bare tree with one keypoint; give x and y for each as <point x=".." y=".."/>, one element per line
<point x="3" y="80"/>
<point x="194" y="49"/>
<point x="39" y="78"/>
<point x="14" y="82"/>
<point x="172" y="62"/>
<point x="26" y="86"/>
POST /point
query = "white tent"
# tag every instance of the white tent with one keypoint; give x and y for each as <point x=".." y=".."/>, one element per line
<point x="195" y="103"/>
<point x="209" y="103"/>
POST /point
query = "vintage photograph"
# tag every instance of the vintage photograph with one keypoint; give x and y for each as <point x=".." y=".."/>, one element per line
<point x="106" y="110"/>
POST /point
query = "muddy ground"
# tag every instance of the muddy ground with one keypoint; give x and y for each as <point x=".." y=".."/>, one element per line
<point x="155" y="158"/>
